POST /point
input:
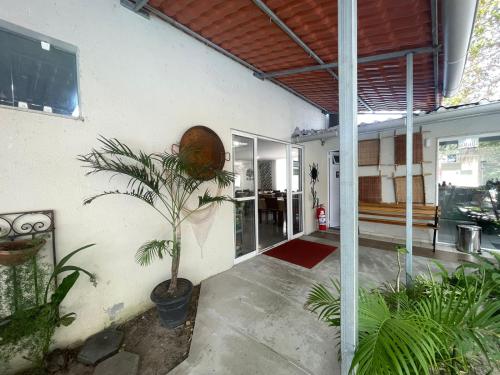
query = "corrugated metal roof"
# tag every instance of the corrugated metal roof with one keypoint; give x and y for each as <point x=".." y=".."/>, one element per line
<point x="244" y="30"/>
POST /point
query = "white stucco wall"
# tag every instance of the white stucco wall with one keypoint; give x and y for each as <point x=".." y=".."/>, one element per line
<point x="314" y="153"/>
<point x="476" y="125"/>
<point x="145" y="83"/>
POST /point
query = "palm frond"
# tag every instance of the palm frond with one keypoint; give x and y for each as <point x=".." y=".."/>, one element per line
<point x="393" y="342"/>
<point x="223" y="178"/>
<point x="470" y="318"/>
<point x="151" y="250"/>
<point x="146" y="196"/>
<point x="325" y="304"/>
<point x="138" y="174"/>
<point x="165" y="181"/>
<point x="206" y="198"/>
<point x="113" y="147"/>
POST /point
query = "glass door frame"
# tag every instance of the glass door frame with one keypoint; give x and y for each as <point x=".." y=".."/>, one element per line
<point x="254" y="252"/>
<point x="290" y="235"/>
<point x="291" y="193"/>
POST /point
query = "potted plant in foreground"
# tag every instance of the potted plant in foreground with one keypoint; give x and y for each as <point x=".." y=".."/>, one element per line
<point x="446" y="323"/>
<point x="166" y="182"/>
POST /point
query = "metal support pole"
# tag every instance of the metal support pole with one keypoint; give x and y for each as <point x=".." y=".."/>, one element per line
<point x="409" y="167"/>
<point x="347" y="52"/>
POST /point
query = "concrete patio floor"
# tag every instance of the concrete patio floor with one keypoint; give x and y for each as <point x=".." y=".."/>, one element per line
<point x="251" y="319"/>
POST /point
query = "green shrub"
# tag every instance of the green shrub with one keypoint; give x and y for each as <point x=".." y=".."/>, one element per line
<point x="34" y="315"/>
<point x="449" y="326"/>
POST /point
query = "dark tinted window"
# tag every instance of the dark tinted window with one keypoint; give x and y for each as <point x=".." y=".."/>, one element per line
<point x="37" y="75"/>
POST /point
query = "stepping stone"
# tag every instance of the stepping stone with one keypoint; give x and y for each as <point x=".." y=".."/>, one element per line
<point x="100" y="346"/>
<point x="123" y="363"/>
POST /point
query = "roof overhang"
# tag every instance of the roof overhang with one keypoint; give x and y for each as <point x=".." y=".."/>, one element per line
<point x="293" y="43"/>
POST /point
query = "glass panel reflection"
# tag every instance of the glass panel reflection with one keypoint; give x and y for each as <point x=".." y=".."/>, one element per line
<point x="272" y="192"/>
<point x="37" y="76"/>
<point x="297" y="213"/>
<point x="245" y="227"/>
<point x="297" y="169"/>
<point x="243" y="167"/>
<point x="469" y="187"/>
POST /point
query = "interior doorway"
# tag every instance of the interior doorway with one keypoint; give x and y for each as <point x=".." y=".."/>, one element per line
<point x="268" y="190"/>
<point x="334" y="189"/>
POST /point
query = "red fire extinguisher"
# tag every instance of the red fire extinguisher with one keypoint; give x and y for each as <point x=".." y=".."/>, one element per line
<point x="321" y="216"/>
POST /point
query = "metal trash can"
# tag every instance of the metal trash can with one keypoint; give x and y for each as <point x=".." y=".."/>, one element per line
<point x="469" y="238"/>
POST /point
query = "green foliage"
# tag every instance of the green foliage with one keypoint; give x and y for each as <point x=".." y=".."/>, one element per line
<point x="481" y="79"/>
<point x="446" y="327"/>
<point x="17" y="287"/>
<point x="29" y="327"/>
<point x="152" y="250"/>
<point x="164" y="181"/>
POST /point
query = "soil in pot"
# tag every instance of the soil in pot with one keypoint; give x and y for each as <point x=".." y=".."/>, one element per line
<point x="161" y="290"/>
<point x="14" y="253"/>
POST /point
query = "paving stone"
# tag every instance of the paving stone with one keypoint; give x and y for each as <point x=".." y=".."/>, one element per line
<point x="123" y="363"/>
<point x="100" y="346"/>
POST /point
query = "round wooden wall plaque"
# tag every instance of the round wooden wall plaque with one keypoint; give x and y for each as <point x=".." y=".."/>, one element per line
<point x="208" y="149"/>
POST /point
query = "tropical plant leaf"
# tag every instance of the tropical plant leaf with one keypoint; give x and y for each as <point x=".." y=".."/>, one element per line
<point x="448" y="326"/>
<point x="206" y="198"/>
<point x="61" y="267"/>
<point x="67" y="319"/>
<point x="325" y="304"/>
<point x="165" y="181"/>
<point x="393" y="343"/>
<point x="63" y="288"/>
<point x="151" y="250"/>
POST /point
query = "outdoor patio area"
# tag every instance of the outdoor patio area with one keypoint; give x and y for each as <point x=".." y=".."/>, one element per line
<point x="228" y="187"/>
<point x="252" y="319"/>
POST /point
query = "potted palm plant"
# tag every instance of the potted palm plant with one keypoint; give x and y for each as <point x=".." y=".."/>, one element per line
<point x="166" y="182"/>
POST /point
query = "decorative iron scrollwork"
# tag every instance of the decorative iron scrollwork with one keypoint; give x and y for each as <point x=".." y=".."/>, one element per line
<point x="17" y="224"/>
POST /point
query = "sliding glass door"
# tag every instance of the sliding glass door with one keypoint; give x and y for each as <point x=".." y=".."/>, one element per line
<point x="244" y="194"/>
<point x="272" y="187"/>
<point x="268" y="190"/>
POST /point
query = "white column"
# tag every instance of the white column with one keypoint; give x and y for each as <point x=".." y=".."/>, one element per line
<point x="347" y="45"/>
<point x="409" y="167"/>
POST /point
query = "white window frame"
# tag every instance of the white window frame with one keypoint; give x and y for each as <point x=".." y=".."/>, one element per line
<point x="10" y="27"/>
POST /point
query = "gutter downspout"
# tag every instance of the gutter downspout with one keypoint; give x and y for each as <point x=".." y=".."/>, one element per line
<point x="458" y="18"/>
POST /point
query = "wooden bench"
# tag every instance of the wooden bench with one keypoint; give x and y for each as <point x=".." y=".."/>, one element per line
<point x="424" y="216"/>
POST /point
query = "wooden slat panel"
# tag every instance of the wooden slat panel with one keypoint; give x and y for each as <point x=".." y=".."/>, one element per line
<point x="418" y="189"/>
<point x="398" y="215"/>
<point x="388" y="207"/>
<point x="395" y="222"/>
<point x="400" y="149"/>
<point x="369" y="152"/>
<point x="370" y="189"/>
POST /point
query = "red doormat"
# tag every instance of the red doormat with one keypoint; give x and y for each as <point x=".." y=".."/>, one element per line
<point x="302" y="253"/>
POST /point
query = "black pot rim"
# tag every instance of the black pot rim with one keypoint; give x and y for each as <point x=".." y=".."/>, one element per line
<point x="158" y="300"/>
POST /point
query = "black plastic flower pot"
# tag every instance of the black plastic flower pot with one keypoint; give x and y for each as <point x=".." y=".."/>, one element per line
<point x="172" y="310"/>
